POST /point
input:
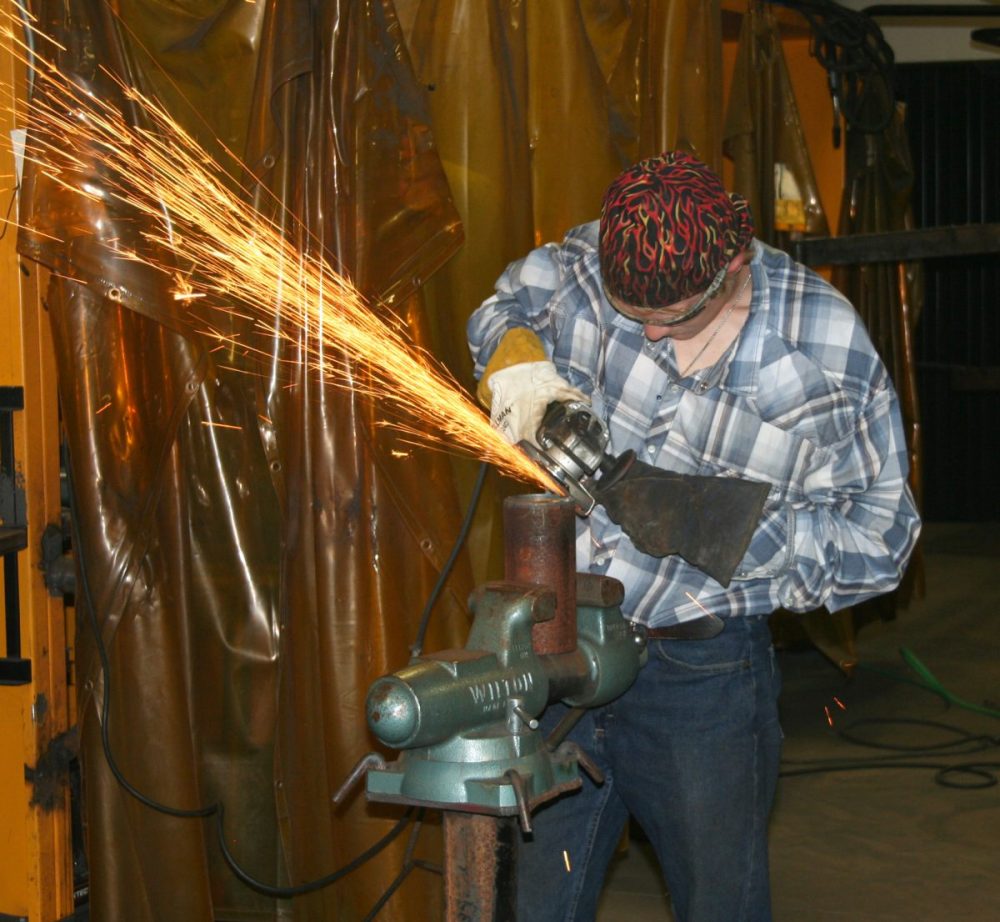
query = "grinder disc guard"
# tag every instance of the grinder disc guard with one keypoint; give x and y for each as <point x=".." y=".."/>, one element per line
<point x="572" y="447"/>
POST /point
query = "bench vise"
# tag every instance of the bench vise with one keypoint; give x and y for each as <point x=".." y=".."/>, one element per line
<point x="466" y="719"/>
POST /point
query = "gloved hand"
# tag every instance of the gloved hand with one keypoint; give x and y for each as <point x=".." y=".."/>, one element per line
<point x="709" y="521"/>
<point x="520" y="395"/>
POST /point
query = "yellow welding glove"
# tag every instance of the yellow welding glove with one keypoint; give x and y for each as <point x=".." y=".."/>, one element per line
<point x="519" y="383"/>
<point x="521" y="394"/>
<point x="516" y="347"/>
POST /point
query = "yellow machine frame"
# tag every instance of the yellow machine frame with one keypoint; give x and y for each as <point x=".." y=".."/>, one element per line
<point x="36" y="700"/>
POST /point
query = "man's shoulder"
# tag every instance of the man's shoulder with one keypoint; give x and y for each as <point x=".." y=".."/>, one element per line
<point x="584" y="235"/>
<point x="818" y="347"/>
<point x="797" y="289"/>
<point x="550" y="264"/>
<point x="580" y="242"/>
<point x="581" y="269"/>
<point x="810" y="315"/>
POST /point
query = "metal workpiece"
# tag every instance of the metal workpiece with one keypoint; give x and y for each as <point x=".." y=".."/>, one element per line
<point x="540" y="550"/>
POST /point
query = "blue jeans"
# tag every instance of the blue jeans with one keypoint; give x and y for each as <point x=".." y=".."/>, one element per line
<point x="691" y="751"/>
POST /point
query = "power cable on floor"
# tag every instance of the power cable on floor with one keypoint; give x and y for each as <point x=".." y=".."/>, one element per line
<point x="964" y="775"/>
<point x="931" y="683"/>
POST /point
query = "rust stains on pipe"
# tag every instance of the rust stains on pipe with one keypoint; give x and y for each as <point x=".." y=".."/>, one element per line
<point x="480" y="867"/>
<point x="540" y="549"/>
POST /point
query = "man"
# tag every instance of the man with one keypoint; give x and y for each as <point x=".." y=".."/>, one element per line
<point x="707" y="352"/>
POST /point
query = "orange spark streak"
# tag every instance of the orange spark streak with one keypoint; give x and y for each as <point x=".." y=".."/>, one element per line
<point x="696" y="602"/>
<point x="100" y="410"/>
<point x="68" y="278"/>
<point x="840" y="703"/>
<point x="206" y="422"/>
<point x="240" y="255"/>
<point x="829" y="716"/>
<point x="9" y="222"/>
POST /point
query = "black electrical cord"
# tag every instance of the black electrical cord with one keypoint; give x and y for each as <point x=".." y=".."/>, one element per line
<point x="964" y="742"/>
<point x="964" y="775"/>
<point x="10" y="208"/>
<point x="981" y="774"/>
<point x="860" y="64"/>
<point x="217" y="809"/>
<point x="417" y="647"/>
<point x="984" y="772"/>
<point x="318" y="883"/>
<point x="409" y="863"/>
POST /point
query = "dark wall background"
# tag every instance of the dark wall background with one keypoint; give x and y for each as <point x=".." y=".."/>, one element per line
<point x="953" y="118"/>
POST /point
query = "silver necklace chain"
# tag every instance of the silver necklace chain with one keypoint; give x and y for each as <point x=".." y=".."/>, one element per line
<point x="718" y="327"/>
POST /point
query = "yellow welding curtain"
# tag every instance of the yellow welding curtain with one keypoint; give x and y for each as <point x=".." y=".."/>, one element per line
<point x="536" y="106"/>
<point x="254" y="553"/>
<point x="251" y="546"/>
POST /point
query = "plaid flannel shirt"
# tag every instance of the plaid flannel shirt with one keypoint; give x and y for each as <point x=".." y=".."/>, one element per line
<point x="801" y="401"/>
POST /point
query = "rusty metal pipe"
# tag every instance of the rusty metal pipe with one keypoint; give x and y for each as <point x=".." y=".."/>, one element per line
<point x="540" y="549"/>
<point x="480" y="867"/>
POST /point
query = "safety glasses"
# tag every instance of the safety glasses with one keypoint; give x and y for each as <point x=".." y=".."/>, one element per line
<point x="666" y="316"/>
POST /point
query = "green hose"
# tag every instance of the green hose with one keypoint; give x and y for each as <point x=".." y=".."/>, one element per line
<point x="929" y="682"/>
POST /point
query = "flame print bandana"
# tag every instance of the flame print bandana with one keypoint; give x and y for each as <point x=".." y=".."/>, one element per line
<point x="667" y="227"/>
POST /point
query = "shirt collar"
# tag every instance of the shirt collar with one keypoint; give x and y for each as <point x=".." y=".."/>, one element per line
<point x="742" y="372"/>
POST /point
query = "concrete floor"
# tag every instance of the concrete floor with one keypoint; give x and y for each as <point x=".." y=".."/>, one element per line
<point x="875" y="842"/>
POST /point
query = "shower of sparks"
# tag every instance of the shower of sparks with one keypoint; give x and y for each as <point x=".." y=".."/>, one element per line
<point x="239" y="255"/>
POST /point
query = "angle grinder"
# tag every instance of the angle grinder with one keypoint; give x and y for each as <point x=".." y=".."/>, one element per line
<point x="572" y="446"/>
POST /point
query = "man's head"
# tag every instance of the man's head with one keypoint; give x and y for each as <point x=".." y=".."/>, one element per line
<point x="668" y="231"/>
